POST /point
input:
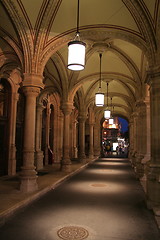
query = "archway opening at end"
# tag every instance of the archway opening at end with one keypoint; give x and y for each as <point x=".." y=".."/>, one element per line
<point x="115" y="138"/>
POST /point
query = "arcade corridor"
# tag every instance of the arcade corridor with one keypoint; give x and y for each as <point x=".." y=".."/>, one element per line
<point x="102" y="202"/>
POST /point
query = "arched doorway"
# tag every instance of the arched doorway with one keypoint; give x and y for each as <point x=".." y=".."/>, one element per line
<point x="5" y="101"/>
<point x="19" y="131"/>
<point x="115" y="138"/>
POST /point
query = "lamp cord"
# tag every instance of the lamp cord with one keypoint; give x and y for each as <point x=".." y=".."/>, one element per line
<point x="100" y="56"/>
<point x="78" y="18"/>
<point x="107" y="94"/>
<point x="111" y="106"/>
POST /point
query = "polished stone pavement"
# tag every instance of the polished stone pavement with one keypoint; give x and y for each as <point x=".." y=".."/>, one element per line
<point x="103" y="202"/>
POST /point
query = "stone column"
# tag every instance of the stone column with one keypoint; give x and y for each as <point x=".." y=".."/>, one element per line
<point x="97" y="139"/>
<point x="131" y="138"/>
<point x="74" y="138"/>
<point x="134" y="153"/>
<point x="148" y="134"/>
<point x="66" y="161"/>
<point x="81" y="153"/>
<point x="91" y="152"/>
<point x="47" y="128"/>
<point x="56" y="136"/>
<point x="39" y="153"/>
<point x="59" y="139"/>
<point x="141" y="138"/>
<point x="147" y="155"/>
<point x="153" y="177"/>
<point x="12" y="134"/>
<point x="28" y="175"/>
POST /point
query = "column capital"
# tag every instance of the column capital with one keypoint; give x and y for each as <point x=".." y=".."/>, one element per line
<point x="134" y="115"/>
<point x="67" y="107"/>
<point x="31" y="91"/>
<point x="40" y="106"/>
<point x="140" y="103"/>
<point x="91" y="123"/>
<point x="153" y="75"/>
<point x="82" y="116"/>
<point x="33" y="80"/>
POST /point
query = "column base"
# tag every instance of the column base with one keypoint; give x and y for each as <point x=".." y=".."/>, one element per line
<point x="143" y="181"/>
<point x="153" y="190"/>
<point x="91" y="156"/>
<point x="153" y="184"/>
<point x="66" y="165"/>
<point x="28" y="180"/>
<point x="83" y="160"/>
<point x="66" y="168"/>
<point x="57" y="165"/>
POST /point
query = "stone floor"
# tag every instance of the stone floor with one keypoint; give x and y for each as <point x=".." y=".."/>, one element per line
<point x="11" y="199"/>
<point x="104" y="201"/>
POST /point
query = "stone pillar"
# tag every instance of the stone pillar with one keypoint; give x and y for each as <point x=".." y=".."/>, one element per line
<point x="131" y="138"/>
<point x="81" y="153"/>
<point x="133" y="157"/>
<point x="59" y="139"/>
<point x="66" y="162"/>
<point x="74" y="139"/>
<point x="153" y="177"/>
<point x="91" y="152"/>
<point x="147" y="155"/>
<point x="141" y="138"/>
<point x="39" y="153"/>
<point x="97" y="139"/>
<point x="28" y="175"/>
<point x="148" y="134"/>
<point x="12" y="134"/>
<point x="47" y="128"/>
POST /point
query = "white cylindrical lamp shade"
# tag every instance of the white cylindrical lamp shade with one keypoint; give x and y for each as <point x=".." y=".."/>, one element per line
<point x="111" y="121"/>
<point x="99" y="99"/>
<point x="76" y="55"/>
<point x="107" y="114"/>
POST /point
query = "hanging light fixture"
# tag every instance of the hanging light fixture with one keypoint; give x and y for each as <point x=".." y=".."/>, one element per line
<point x="99" y="96"/>
<point x="107" y="112"/>
<point x="111" y="119"/>
<point x="76" y="50"/>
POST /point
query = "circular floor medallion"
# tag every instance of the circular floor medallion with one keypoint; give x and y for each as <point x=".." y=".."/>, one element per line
<point x="98" y="185"/>
<point x="73" y="233"/>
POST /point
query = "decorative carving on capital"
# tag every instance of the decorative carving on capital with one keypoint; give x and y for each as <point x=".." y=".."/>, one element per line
<point x="82" y="116"/>
<point x="134" y="115"/>
<point x="34" y="80"/>
<point x="153" y="76"/>
<point x="40" y="107"/>
<point x="67" y="108"/>
<point x="31" y="91"/>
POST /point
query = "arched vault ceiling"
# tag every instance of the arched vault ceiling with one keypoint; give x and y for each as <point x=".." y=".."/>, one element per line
<point x="37" y="32"/>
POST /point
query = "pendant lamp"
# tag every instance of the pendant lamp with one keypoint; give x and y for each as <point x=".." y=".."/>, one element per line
<point x="99" y="96"/>
<point x="76" y="50"/>
<point x="107" y="112"/>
